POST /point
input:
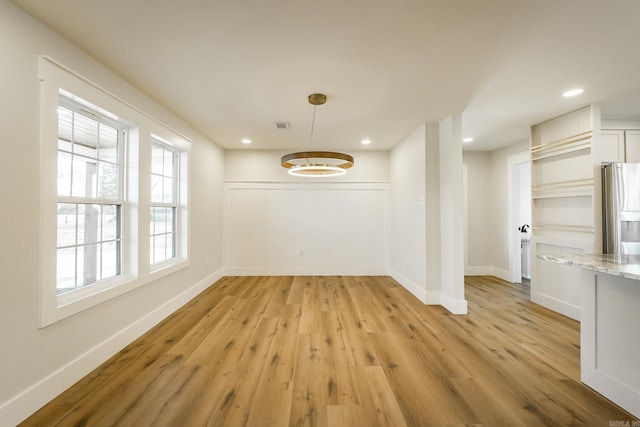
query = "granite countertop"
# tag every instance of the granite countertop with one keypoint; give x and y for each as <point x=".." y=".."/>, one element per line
<point x="616" y="265"/>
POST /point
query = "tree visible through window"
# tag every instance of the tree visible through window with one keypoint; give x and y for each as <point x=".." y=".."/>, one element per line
<point x="89" y="219"/>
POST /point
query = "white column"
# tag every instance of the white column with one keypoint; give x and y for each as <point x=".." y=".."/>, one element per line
<point x="451" y="216"/>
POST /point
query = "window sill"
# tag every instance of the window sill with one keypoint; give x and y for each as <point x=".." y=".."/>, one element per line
<point x="70" y="303"/>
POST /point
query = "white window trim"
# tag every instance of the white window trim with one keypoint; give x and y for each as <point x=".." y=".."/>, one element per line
<point x="76" y="106"/>
<point x="135" y="271"/>
<point x="182" y="211"/>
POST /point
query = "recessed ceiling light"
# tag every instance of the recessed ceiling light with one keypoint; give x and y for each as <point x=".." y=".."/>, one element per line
<point x="246" y="141"/>
<point x="467" y="140"/>
<point x="573" y="92"/>
<point x="366" y="141"/>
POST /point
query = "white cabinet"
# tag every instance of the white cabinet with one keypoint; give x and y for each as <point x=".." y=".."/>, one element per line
<point x="612" y="146"/>
<point x="619" y="146"/>
<point x="632" y="146"/>
<point x="609" y="345"/>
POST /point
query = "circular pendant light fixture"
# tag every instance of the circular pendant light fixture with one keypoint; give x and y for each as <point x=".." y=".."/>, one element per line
<point x="316" y="163"/>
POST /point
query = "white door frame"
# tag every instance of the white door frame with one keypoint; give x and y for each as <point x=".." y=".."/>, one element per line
<point x="515" y="251"/>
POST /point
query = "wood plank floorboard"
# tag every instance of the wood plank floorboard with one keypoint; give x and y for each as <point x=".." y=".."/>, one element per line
<point x="342" y="351"/>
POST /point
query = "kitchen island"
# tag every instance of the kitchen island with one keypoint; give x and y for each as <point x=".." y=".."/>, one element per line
<point x="609" y="325"/>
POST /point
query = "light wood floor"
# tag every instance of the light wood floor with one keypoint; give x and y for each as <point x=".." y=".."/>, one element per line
<point x="342" y="351"/>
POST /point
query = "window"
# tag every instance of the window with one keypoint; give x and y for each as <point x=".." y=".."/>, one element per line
<point x="164" y="203"/>
<point x="106" y="169"/>
<point x="89" y="212"/>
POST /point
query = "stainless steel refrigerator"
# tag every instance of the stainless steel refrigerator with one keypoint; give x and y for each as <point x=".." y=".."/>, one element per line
<point x="621" y="208"/>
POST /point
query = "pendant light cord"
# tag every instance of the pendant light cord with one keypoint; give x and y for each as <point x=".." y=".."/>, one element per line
<point x="313" y="123"/>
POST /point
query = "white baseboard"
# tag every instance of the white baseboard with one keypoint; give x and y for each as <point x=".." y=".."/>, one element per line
<point x="556" y="305"/>
<point x="427" y="297"/>
<point x="455" y="306"/>
<point x="501" y="274"/>
<point x="478" y="271"/>
<point x="487" y="270"/>
<point x="432" y="298"/>
<point x="30" y="400"/>
<point x="412" y="287"/>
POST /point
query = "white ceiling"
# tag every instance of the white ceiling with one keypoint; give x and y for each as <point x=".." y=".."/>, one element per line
<point x="232" y="68"/>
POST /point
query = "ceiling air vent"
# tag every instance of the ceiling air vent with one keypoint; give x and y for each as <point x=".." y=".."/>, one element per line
<point x="282" y="125"/>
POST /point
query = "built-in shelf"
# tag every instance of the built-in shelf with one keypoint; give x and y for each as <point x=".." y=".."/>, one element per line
<point x="565" y="227"/>
<point x="564" y="190"/>
<point x="569" y="188"/>
<point x="581" y="141"/>
<point x="587" y="193"/>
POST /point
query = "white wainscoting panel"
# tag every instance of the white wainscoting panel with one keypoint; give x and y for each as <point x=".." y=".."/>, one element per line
<point x="319" y="229"/>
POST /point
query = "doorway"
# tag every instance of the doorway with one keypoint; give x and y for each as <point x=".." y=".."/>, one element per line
<point x="519" y="193"/>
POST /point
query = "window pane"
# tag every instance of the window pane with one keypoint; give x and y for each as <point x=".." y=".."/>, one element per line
<point x="87" y="264"/>
<point x="64" y="174"/>
<point x="168" y="218"/>
<point x="64" y="146"/>
<point x="157" y="159"/>
<point x="109" y="154"/>
<point x="107" y="181"/>
<point x="110" y="229"/>
<point x="162" y="241"/>
<point x="84" y="177"/>
<point x="160" y="226"/>
<point x="64" y="128"/>
<point x="66" y="224"/>
<point x="66" y="269"/>
<point x="168" y="163"/>
<point x="160" y="248"/>
<point x="108" y="146"/>
<point x="85" y="151"/>
<point x="157" y="221"/>
<point x="156" y="188"/>
<point x="88" y="226"/>
<point x="152" y="221"/>
<point x="164" y="190"/>
<point x="88" y="167"/>
<point x="168" y="196"/>
<point x="94" y="261"/>
<point x="85" y="136"/>
<point x="170" y="227"/>
<point x="110" y="257"/>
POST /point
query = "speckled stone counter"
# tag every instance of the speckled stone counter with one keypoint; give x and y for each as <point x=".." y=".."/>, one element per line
<point x="627" y="266"/>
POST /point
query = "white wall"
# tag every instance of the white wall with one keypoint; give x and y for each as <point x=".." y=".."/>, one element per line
<point x="432" y="212"/>
<point x="488" y="209"/>
<point x="427" y="248"/>
<point x="408" y="222"/>
<point x="276" y="224"/>
<point x="479" y="212"/>
<point x="36" y="364"/>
